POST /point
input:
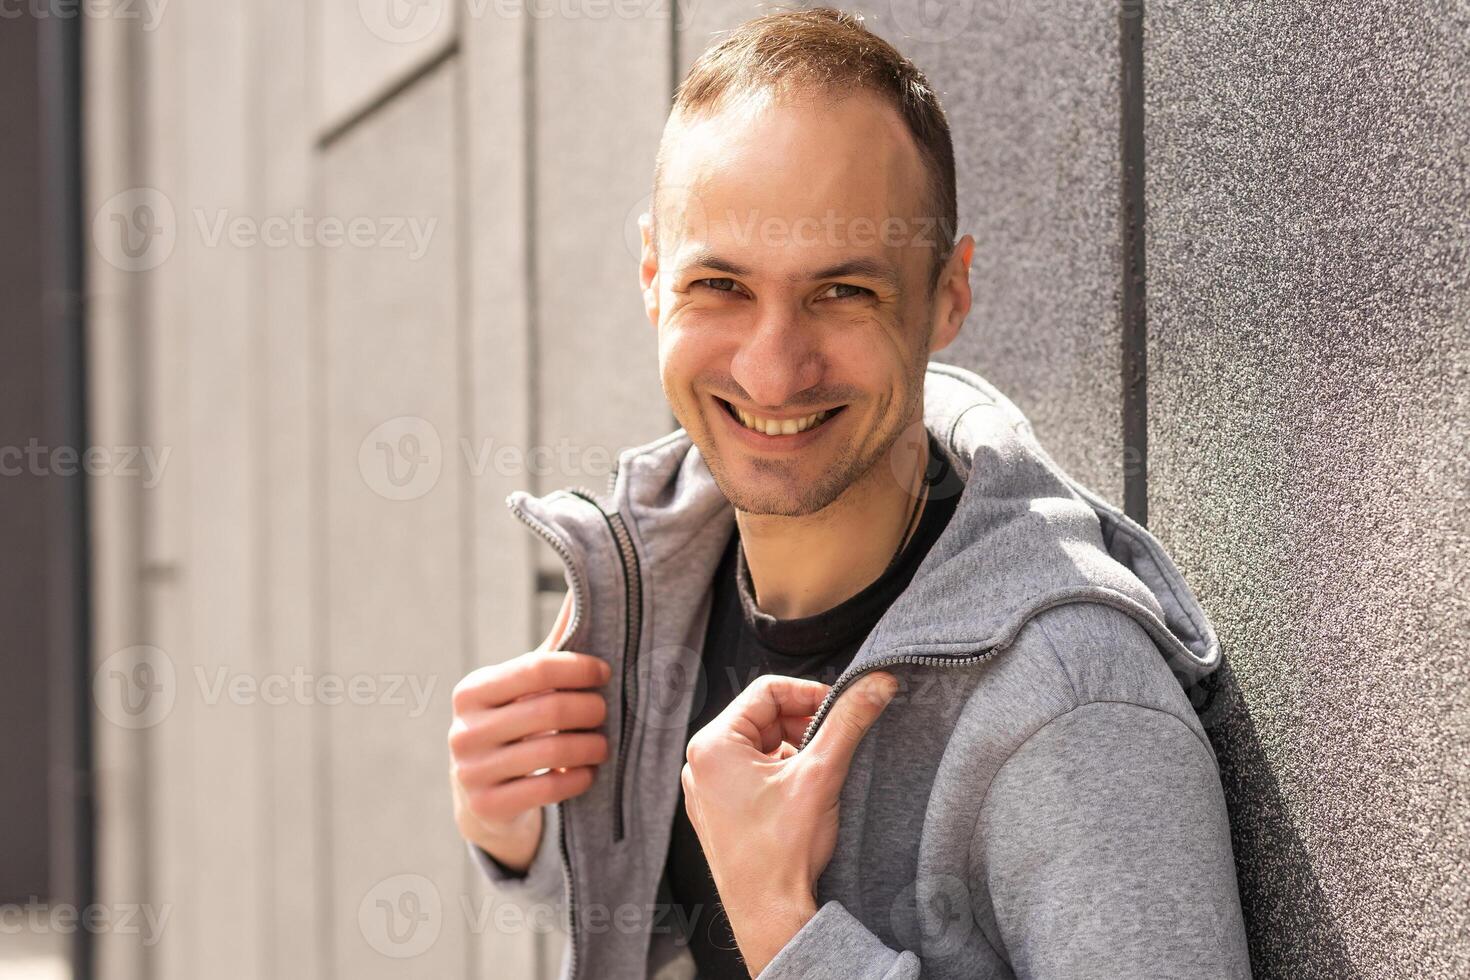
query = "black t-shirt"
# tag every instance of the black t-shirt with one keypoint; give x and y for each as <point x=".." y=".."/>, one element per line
<point x="741" y="643"/>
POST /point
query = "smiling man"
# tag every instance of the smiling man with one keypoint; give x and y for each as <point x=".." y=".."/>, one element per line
<point x="851" y="680"/>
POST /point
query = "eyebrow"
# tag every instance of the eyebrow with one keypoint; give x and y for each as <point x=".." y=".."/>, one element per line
<point x="869" y="268"/>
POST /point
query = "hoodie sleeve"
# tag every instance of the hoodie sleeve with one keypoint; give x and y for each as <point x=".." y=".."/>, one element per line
<point x="834" y="944"/>
<point x="543" y="881"/>
<point x="1104" y="846"/>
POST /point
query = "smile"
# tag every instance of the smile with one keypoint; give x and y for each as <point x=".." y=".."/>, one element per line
<point x="777" y="427"/>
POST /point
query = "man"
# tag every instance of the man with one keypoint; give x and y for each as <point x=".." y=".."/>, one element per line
<point x="852" y="680"/>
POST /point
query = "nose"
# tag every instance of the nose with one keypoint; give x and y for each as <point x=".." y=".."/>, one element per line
<point x="777" y="360"/>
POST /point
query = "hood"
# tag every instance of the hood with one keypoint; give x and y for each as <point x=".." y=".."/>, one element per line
<point x="1025" y="536"/>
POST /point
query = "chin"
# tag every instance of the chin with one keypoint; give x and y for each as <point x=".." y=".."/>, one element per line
<point x="782" y="491"/>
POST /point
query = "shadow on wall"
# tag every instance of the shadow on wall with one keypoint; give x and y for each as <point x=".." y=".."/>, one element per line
<point x="1289" y="923"/>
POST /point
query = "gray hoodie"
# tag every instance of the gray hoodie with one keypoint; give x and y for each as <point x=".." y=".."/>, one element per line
<point x="1038" y="800"/>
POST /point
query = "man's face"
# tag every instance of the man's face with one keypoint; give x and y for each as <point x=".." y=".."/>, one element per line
<point x="791" y="292"/>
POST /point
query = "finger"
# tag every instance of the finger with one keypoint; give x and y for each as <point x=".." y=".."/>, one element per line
<point x="500" y="684"/>
<point x="559" y="628"/>
<point x="787" y="728"/>
<point x="849" y="720"/>
<point x="767" y="699"/>
<point x="558" y="711"/>
<point x="563" y="750"/>
<point x="510" y="799"/>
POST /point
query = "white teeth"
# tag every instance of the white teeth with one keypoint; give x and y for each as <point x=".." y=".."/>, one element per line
<point x="778" y="427"/>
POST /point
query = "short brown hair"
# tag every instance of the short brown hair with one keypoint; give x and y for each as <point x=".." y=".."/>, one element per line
<point x="830" y="51"/>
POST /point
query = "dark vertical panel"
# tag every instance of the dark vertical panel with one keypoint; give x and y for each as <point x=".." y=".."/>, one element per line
<point x="69" y="602"/>
<point x="1134" y="345"/>
<point x="24" y="736"/>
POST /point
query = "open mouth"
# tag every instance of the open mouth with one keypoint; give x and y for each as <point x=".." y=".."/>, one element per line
<point x="779" y="427"/>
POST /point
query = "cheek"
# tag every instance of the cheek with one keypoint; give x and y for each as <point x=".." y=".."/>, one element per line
<point x="690" y="344"/>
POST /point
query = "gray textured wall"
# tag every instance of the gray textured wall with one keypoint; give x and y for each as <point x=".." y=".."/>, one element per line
<point x="1308" y="241"/>
<point x="1308" y="225"/>
<point x="1309" y="378"/>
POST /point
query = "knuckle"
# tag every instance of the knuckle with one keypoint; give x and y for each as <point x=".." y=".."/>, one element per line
<point x="462" y="697"/>
<point x="588" y="707"/>
<point x="542" y="671"/>
<point x="698" y="752"/>
<point x="460" y="736"/>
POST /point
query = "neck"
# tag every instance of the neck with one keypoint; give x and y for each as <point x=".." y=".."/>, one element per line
<point x="801" y="566"/>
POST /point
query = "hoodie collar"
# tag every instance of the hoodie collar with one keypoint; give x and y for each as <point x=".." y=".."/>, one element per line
<point x="1025" y="536"/>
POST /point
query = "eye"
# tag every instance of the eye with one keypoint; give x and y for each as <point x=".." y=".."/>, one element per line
<point x="858" y="292"/>
<point x="720" y="285"/>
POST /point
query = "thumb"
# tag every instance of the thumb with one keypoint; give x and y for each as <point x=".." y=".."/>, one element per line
<point x="851" y="716"/>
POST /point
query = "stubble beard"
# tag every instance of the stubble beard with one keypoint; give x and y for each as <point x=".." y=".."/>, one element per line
<point x="849" y="468"/>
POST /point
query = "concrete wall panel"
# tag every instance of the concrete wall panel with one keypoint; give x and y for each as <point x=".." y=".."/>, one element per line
<point x="116" y="355"/>
<point x="496" y="371"/>
<point x="1031" y="93"/>
<point x="173" y="834"/>
<point x="602" y="94"/>
<point x="396" y="563"/>
<point x="224" y="638"/>
<point x="287" y="343"/>
<point x="1309" y="308"/>
<point x="367" y="48"/>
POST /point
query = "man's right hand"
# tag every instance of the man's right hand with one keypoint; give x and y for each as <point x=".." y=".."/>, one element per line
<point x="522" y="737"/>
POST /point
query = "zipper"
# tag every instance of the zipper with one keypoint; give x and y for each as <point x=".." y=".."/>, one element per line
<point x="922" y="660"/>
<point x="632" y="632"/>
<point x="579" y="599"/>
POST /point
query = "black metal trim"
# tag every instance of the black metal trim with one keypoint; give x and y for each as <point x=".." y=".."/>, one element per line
<point x="1134" y="310"/>
<point x="64" y="268"/>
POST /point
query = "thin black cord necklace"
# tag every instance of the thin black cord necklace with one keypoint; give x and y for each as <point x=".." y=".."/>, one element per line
<point x="919" y="499"/>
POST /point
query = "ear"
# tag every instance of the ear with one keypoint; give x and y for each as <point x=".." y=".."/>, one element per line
<point x="648" y="268"/>
<point x="952" y="296"/>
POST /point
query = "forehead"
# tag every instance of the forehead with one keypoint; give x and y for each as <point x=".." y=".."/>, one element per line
<point x="765" y="164"/>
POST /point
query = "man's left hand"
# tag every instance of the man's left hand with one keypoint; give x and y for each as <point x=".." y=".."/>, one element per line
<point x="765" y="813"/>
